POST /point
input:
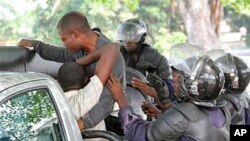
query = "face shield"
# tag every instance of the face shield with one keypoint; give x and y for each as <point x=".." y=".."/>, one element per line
<point x="184" y="56"/>
<point x="227" y="63"/>
<point x="128" y="31"/>
<point x="202" y="80"/>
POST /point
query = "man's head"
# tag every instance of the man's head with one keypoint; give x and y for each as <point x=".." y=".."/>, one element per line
<point x="131" y="33"/>
<point x="71" y="76"/>
<point x="204" y="84"/>
<point x="236" y="72"/>
<point x="71" y="27"/>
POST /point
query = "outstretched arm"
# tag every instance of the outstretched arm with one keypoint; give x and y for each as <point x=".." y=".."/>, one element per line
<point x="106" y="57"/>
<point x="50" y="52"/>
<point x="146" y="89"/>
<point x="134" y="127"/>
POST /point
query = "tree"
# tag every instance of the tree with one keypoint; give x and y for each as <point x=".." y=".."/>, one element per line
<point x="195" y="21"/>
<point x="201" y="21"/>
<point x="39" y="22"/>
<point x="202" y="18"/>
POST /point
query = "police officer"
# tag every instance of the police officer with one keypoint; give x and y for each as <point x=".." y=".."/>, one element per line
<point x="200" y="116"/>
<point x="237" y="77"/>
<point x="142" y="56"/>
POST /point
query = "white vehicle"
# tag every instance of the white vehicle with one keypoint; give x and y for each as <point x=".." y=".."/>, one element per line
<point x="33" y="107"/>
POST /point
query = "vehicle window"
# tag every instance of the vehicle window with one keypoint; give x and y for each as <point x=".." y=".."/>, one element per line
<point x="29" y="116"/>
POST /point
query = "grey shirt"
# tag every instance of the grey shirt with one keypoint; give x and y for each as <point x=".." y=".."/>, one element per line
<point x="60" y="54"/>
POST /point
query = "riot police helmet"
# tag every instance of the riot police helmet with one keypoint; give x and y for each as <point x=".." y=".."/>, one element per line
<point x="133" y="30"/>
<point x="201" y="79"/>
<point x="236" y="71"/>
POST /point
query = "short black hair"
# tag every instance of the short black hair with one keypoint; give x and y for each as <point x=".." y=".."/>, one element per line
<point x="73" y="20"/>
<point x="71" y="74"/>
<point x="174" y="69"/>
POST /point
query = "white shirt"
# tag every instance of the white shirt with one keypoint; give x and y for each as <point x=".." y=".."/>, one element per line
<point x="83" y="100"/>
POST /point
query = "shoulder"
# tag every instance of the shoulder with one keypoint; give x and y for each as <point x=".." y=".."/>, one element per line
<point x="113" y="44"/>
<point x="94" y="84"/>
<point x="233" y="101"/>
<point x="187" y="109"/>
<point x="148" y="50"/>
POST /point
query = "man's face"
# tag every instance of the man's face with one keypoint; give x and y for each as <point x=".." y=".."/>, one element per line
<point x="130" y="45"/>
<point x="70" y="41"/>
<point x="178" y="84"/>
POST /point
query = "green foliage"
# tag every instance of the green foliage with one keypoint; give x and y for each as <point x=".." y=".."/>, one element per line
<point x="24" y="114"/>
<point x="237" y="21"/>
<point x="240" y="6"/>
<point x="166" y="40"/>
<point x="131" y="4"/>
<point x="39" y="22"/>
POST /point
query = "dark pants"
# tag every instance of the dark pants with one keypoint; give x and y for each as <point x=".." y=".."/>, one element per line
<point x="113" y="124"/>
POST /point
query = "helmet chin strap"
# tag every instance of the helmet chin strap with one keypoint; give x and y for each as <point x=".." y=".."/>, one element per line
<point x="232" y="92"/>
<point x="184" y="92"/>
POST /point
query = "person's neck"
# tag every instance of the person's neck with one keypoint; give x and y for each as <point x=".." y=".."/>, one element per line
<point x="72" y="88"/>
<point x="90" y="42"/>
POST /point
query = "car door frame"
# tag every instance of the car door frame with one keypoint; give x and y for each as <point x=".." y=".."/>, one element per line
<point x="65" y="115"/>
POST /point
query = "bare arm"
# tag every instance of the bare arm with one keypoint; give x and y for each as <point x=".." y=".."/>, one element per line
<point x="107" y="57"/>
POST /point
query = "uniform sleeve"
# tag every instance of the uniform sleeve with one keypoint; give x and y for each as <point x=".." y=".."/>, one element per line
<point x="165" y="73"/>
<point x="52" y="53"/>
<point x="171" y="89"/>
<point x="91" y="93"/>
<point x="134" y="127"/>
<point x="169" y="126"/>
<point x="163" y="69"/>
<point x="247" y="116"/>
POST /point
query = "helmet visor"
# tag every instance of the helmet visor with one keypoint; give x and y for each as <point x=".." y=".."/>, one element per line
<point x="223" y="59"/>
<point x="226" y="62"/>
<point x="129" y="32"/>
<point x="184" y="56"/>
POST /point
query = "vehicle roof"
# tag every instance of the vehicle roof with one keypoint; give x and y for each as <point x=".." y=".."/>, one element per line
<point x="9" y="79"/>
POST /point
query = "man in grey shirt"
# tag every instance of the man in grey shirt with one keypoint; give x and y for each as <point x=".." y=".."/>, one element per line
<point x="80" y="39"/>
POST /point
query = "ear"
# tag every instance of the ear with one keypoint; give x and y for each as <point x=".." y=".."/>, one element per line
<point x="143" y="38"/>
<point x="76" y="33"/>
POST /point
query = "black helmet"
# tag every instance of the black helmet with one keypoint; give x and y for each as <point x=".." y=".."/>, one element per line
<point x="236" y="71"/>
<point x="201" y="80"/>
<point x="159" y="85"/>
<point x="205" y="83"/>
<point x="131" y="30"/>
